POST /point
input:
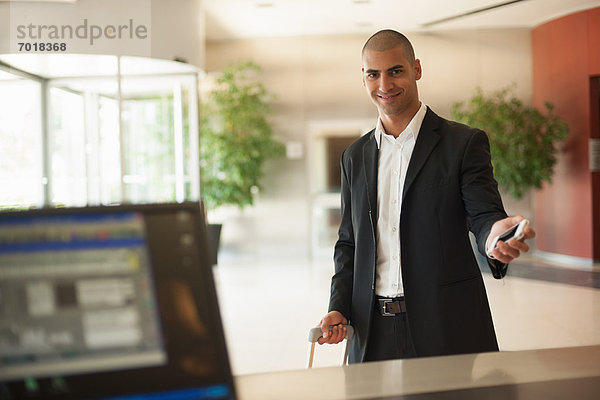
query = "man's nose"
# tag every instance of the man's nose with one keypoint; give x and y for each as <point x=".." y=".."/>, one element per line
<point x="386" y="84"/>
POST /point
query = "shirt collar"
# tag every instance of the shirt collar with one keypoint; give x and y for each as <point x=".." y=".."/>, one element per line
<point x="414" y="126"/>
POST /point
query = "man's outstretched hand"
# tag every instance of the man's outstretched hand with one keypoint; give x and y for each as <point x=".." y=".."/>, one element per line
<point x="507" y="251"/>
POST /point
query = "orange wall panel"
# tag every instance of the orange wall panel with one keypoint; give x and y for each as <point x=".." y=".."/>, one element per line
<point x="594" y="41"/>
<point x="561" y="70"/>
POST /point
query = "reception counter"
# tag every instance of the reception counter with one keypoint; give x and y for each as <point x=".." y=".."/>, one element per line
<point x="569" y="373"/>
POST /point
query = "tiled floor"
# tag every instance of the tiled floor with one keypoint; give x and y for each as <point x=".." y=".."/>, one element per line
<point x="269" y="304"/>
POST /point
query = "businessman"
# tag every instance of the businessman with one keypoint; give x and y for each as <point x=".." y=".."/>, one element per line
<point x="405" y="274"/>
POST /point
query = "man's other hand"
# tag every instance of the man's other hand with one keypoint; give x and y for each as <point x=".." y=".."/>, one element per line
<point x="337" y="333"/>
<point x="505" y="252"/>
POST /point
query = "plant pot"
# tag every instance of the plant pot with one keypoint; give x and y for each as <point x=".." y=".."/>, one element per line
<point x="213" y="232"/>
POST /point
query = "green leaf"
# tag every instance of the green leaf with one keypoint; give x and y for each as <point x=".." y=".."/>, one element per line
<point x="236" y="137"/>
<point x="523" y="141"/>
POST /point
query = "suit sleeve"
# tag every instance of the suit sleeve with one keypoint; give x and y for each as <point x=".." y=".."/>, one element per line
<point x="342" y="280"/>
<point x="480" y="195"/>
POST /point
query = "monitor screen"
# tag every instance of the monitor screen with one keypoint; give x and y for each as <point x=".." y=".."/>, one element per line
<point x="109" y="302"/>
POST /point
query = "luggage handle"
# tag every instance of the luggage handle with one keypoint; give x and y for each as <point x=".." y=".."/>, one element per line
<point x="313" y="336"/>
<point x="315" y="333"/>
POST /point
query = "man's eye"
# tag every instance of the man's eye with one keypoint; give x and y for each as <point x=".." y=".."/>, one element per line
<point x="372" y="75"/>
<point x="396" y="71"/>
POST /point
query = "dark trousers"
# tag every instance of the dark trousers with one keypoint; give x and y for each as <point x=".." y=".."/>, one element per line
<point x="389" y="338"/>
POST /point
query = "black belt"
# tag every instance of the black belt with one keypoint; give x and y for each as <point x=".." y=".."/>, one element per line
<point x="390" y="307"/>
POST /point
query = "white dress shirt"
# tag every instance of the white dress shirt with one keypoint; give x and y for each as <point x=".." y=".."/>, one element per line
<point x="394" y="157"/>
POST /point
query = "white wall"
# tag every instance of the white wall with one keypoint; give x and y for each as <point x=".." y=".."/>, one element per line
<point x="175" y="28"/>
<point x="178" y="30"/>
<point x="319" y="79"/>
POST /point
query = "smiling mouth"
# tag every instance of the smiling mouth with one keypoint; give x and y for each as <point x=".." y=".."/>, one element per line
<point x="389" y="97"/>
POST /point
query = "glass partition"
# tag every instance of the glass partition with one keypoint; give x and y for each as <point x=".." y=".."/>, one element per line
<point x="81" y="135"/>
<point x="21" y="169"/>
<point x="156" y="131"/>
<point x="105" y="164"/>
<point x="67" y="141"/>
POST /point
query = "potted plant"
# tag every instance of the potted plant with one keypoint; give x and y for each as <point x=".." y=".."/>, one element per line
<point x="235" y="139"/>
<point x="523" y="140"/>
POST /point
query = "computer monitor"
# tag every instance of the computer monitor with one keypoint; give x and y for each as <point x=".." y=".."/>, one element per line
<point x="113" y="302"/>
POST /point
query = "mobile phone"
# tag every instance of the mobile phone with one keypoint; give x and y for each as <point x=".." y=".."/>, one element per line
<point x="514" y="232"/>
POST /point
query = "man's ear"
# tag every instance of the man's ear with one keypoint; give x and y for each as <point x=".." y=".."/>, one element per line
<point x="363" y="76"/>
<point x="418" y="70"/>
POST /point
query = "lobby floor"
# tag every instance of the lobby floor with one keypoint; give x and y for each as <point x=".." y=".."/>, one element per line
<point x="268" y="304"/>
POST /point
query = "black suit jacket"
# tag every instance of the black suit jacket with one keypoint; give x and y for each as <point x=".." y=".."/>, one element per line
<point x="449" y="190"/>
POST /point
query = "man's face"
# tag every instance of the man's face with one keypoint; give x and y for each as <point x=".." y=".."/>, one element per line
<point x="391" y="80"/>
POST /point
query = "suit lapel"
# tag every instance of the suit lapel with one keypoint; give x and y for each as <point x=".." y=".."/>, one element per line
<point x="426" y="142"/>
<point x="370" y="167"/>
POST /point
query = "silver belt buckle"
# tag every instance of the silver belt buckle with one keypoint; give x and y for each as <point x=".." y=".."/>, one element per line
<point x="384" y="303"/>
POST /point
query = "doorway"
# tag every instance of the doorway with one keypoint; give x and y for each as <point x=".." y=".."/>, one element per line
<point x="594" y="155"/>
<point x="328" y="140"/>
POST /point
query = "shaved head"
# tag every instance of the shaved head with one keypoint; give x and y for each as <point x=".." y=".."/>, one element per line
<point x="388" y="39"/>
